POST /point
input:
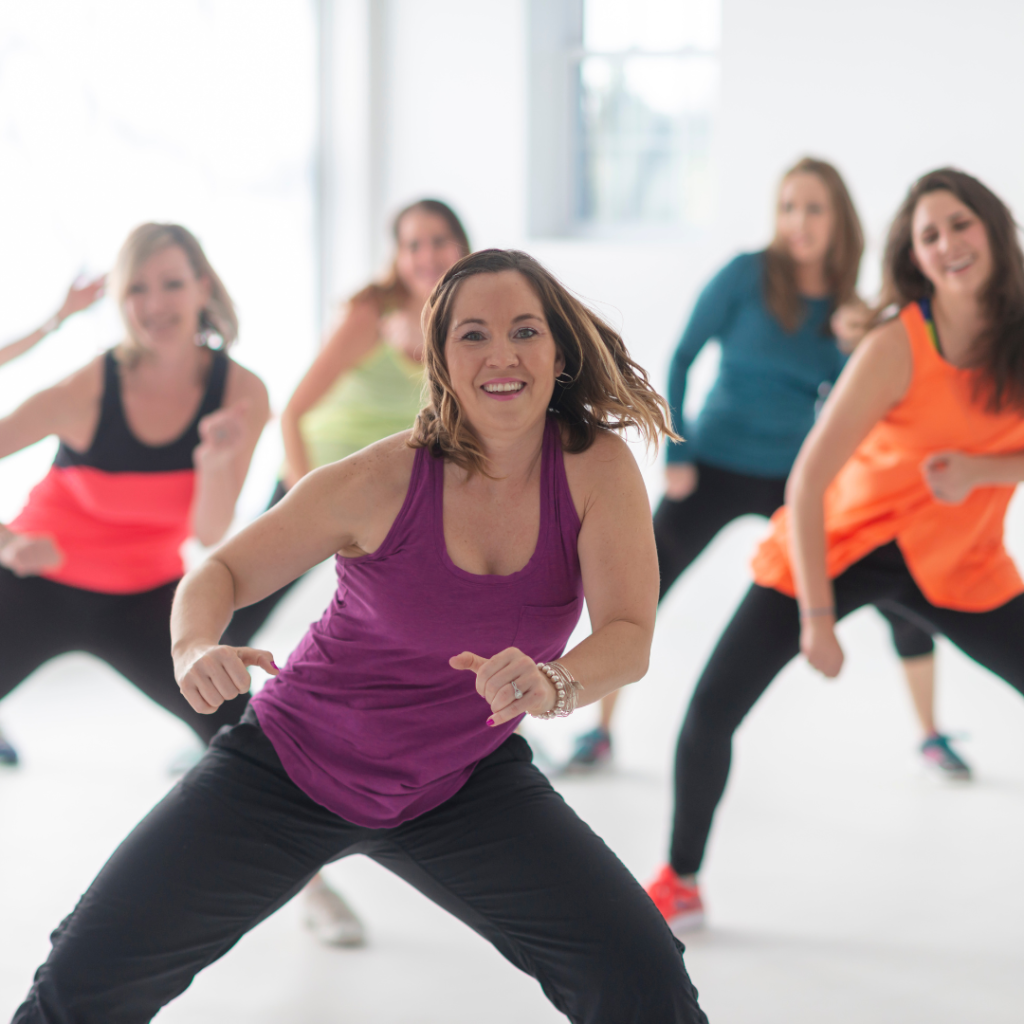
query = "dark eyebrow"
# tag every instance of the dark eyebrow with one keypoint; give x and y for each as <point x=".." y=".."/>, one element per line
<point x="526" y="316"/>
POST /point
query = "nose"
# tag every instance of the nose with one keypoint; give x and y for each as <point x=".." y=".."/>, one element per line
<point x="502" y="352"/>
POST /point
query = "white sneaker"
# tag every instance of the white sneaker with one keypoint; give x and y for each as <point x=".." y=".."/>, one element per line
<point x="330" y="918"/>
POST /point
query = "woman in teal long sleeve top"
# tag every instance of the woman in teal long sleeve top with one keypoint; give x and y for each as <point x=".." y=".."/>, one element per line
<point x="775" y="314"/>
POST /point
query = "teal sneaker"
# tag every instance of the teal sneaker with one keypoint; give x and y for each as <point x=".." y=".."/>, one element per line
<point x="940" y="756"/>
<point x="593" y="751"/>
<point x="8" y="755"/>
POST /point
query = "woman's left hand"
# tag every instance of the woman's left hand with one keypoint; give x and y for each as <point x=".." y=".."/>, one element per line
<point x="850" y="323"/>
<point x="222" y="436"/>
<point x="498" y="678"/>
<point x="950" y="476"/>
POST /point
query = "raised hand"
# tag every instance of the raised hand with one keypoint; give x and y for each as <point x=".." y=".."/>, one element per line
<point x="82" y="296"/>
<point x="950" y="476"/>
<point x="222" y="436"/>
<point x="850" y="323"/>
<point x="498" y="679"/>
<point x="28" y="554"/>
<point x="212" y="675"/>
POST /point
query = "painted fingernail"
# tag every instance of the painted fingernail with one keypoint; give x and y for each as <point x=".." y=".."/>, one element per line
<point x="274" y="664"/>
<point x="490" y="721"/>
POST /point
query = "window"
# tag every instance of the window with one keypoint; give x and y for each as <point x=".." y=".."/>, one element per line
<point x="638" y="82"/>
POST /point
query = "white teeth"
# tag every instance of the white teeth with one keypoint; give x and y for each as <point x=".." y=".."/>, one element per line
<point x="961" y="264"/>
<point x="494" y="388"/>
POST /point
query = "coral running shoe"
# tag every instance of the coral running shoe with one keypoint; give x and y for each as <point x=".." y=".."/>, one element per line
<point x="939" y="755"/>
<point x="679" y="902"/>
<point x="593" y="751"/>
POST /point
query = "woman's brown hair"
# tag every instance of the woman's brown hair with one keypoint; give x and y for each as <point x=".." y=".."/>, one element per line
<point x="389" y="293"/>
<point x="842" y="261"/>
<point x="601" y="387"/>
<point x="999" y="351"/>
<point x="217" y="318"/>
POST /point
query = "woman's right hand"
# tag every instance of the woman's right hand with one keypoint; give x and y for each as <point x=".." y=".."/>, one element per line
<point x="28" y="554"/>
<point x="681" y="480"/>
<point x="82" y="295"/>
<point x="209" y="675"/>
<point x="820" y="646"/>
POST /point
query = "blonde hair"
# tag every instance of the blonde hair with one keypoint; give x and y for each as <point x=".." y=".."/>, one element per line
<point x="217" y="317"/>
<point x="603" y="388"/>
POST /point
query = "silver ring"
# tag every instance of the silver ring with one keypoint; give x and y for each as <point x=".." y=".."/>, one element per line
<point x="516" y="691"/>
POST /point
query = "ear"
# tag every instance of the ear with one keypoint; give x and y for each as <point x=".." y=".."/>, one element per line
<point x="205" y="289"/>
<point x="559" y="361"/>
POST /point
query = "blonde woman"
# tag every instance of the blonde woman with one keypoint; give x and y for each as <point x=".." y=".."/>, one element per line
<point x="465" y="548"/>
<point x="155" y="437"/>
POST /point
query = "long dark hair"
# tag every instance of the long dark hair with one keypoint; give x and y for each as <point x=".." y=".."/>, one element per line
<point x="603" y="388"/>
<point x="842" y="261"/>
<point x="998" y="353"/>
<point x="389" y="293"/>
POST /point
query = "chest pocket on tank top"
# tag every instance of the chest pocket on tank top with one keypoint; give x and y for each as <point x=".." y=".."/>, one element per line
<point x="544" y="630"/>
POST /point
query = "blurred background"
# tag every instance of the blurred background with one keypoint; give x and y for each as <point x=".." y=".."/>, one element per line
<point x="632" y="146"/>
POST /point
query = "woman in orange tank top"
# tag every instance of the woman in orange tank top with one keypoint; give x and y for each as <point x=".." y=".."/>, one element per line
<point x="897" y="497"/>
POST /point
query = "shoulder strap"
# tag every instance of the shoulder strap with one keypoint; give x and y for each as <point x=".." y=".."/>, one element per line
<point x="215" y="384"/>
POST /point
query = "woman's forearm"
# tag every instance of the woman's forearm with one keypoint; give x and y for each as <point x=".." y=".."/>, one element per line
<point x="808" y="547"/>
<point x="295" y="455"/>
<point x="217" y="489"/>
<point x="203" y="605"/>
<point x="996" y="470"/>
<point x="616" y="654"/>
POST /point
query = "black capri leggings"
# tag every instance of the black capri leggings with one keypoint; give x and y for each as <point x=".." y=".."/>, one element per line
<point x="683" y="529"/>
<point x="764" y="635"/>
<point x="40" y="620"/>
<point x="236" y="839"/>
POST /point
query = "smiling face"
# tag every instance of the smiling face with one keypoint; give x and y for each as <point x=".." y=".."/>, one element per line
<point x="426" y="249"/>
<point x="164" y="300"/>
<point x="501" y="356"/>
<point x="805" y="221"/>
<point x="950" y="244"/>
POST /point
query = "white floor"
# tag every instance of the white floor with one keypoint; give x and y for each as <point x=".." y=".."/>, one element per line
<point x="843" y="884"/>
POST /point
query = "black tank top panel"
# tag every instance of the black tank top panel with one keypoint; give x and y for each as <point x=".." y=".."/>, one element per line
<point x="115" y="449"/>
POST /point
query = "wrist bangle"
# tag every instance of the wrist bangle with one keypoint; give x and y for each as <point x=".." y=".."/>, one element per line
<point x="814" y="613"/>
<point x="567" y="690"/>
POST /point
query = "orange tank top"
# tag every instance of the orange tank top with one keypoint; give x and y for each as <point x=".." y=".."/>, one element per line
<point x="954" y="552"/>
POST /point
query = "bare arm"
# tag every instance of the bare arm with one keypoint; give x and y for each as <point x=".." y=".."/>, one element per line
<point x="620" y="579"/>
<point x="228" y="438"/>
<point x="354" y="338"/>
<point x="348" y="507"/>
<point x="875" y="379"/>
<point x="77" y="298"/>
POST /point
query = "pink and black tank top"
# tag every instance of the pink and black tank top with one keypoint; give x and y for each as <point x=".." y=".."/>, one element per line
<point x="368" y="718"/>
<point x="120" y="511"/>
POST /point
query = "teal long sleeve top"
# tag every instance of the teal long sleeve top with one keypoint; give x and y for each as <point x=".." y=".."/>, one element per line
<point x="762" y="403"/>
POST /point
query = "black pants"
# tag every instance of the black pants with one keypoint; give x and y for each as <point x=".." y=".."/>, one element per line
<point x="683" y="529"/>
<point x="764" y="635"/>
<point x="236" y="838"/>
<point x="40" y="619"/>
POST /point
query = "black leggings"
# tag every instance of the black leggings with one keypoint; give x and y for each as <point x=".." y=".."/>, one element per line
<point x="683" y="529"/>
<point x="764" y="635"/>
<point x="236" y="839"/>
<point x="40" y="619"/>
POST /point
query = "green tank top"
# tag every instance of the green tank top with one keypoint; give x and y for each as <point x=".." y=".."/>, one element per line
<point x="377" y="398"/>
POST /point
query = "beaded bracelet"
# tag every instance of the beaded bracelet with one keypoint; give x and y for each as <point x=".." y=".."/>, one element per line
<point x="567" y="690"/>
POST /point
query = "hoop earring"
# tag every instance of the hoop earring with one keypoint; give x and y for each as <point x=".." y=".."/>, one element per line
<point x="568" y="379"/>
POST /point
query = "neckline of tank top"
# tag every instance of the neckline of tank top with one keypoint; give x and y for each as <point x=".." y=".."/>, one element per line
<point x="552" y="475"/>
<point x="428" y="473"/>
<point x="924" y="308"/>
<point x="216" y="377"/>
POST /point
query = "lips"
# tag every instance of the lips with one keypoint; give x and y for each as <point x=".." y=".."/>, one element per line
<point x="959" y="265"/>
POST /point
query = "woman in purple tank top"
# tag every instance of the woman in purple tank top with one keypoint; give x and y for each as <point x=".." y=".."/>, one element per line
<point x="464" y="549"/>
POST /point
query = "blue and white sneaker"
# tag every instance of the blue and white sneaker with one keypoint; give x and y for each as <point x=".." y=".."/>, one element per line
<point x="593" y="751"/>
<point x="940" y="756"/>
<point x="8" y="755"/>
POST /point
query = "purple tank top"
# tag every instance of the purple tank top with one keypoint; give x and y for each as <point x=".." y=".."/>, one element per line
<point x="367" y="716"/>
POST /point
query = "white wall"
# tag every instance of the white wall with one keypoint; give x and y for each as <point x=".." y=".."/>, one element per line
<point x="885" y="88"/>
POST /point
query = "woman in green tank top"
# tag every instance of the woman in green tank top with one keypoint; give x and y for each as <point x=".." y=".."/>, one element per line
<point x="364" y="385"/>
<point x="366" y="382"/>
